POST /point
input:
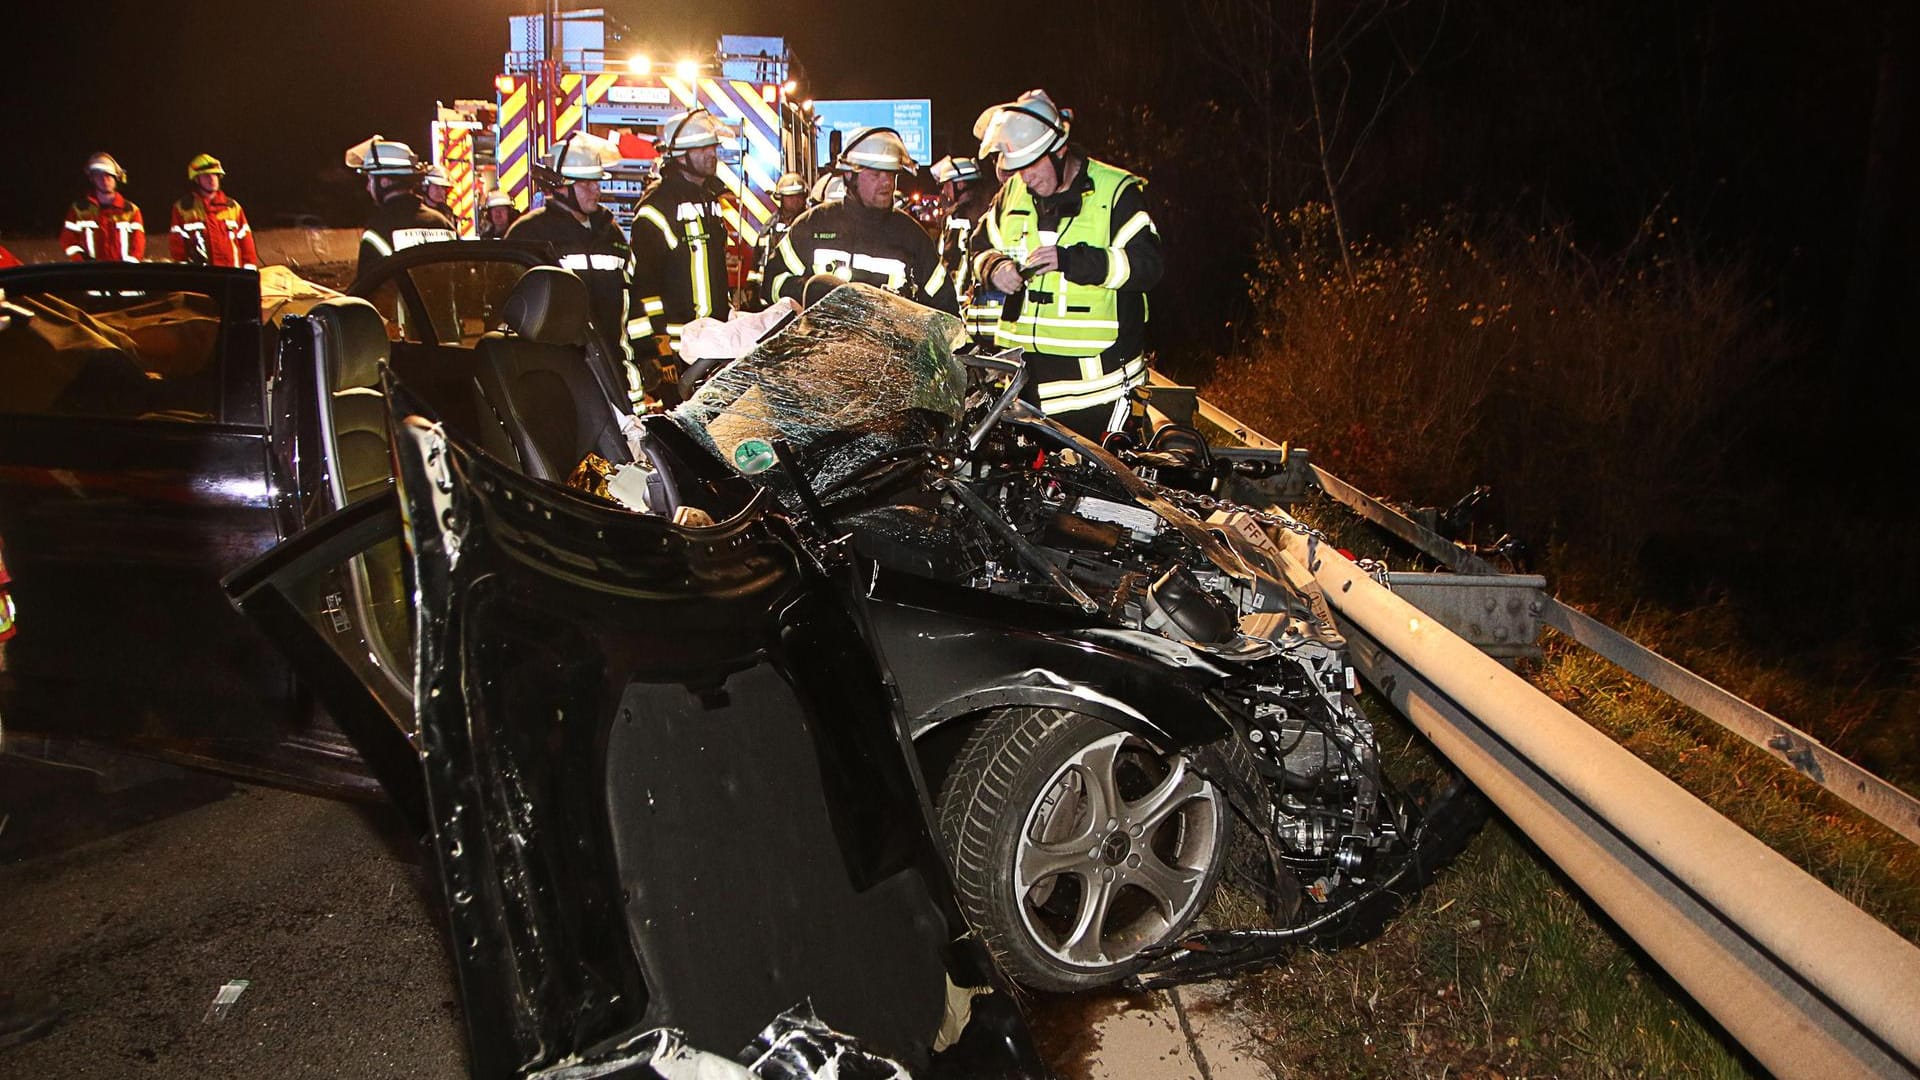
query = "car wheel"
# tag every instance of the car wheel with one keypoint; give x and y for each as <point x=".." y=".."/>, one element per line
<point x="1077" y="847"/>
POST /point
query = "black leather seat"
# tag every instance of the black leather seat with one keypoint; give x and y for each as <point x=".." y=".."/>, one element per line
<point x="351" y="341"/>
<point x="538" y="379"/>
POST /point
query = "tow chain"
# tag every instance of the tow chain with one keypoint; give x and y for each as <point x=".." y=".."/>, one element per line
<point x="1201" y="505"/>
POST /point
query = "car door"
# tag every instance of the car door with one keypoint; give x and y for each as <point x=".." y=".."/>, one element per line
<point x="663" y="779"/>
<point x="135" y="471"/>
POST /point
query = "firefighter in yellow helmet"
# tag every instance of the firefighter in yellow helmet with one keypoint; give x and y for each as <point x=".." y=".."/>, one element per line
<point x="105" y="225"/>
<point x="679" y="243"/>
<point x="864" y="237"/>
<point x="1069" y="240"/>
<point x="209" y="227"/>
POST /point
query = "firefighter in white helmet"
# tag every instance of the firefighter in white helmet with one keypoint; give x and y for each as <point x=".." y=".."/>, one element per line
<point x="399" y="220"/>
<point x="790" y="192"/>
<point x="680" y="242"/>
<point x="966" y="195"/>
<point x="1068" y="239"/>
<point x="583" y="234"/>
<point x="499" y="217"/>
<point x="436" y="192"/>
<point x="105" y="225"/>
<point x="864" y="237"/>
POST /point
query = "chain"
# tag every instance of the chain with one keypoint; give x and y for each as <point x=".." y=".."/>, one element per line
<point x="1207" y="504"/>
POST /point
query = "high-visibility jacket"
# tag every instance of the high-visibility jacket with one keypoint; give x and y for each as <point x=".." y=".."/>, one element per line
<point x="105" y="231"/>
<point x="1082" y="327"/>
<point x="844" y="239"/>
<point x="211" y="230"/>
<point x="401" y="221"/>
<point x="679" y="245"/>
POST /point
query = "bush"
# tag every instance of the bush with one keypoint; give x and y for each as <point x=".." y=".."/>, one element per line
<point x="1601" y="397"/>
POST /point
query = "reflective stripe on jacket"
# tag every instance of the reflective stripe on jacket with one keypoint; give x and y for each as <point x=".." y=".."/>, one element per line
<point x="679" y="246"/>
<point x="110" y="231"/>
<point x="212" y="231"/>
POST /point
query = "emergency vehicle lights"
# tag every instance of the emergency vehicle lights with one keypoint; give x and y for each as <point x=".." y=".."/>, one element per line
<point x="640" y="64"/>
<point x="503" y="84"/>
<point x="767" y="93"/>
<point x="687" y="70"/>
<point x="791" y="86"/>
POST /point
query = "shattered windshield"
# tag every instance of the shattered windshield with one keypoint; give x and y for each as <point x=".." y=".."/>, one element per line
<point x="863" y="364"/>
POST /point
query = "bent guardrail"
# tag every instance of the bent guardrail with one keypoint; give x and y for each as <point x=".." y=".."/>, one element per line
<point x="1803" y="979"/>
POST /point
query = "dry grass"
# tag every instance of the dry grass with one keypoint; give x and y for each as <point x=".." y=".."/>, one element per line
<point x="1600" y="397"/>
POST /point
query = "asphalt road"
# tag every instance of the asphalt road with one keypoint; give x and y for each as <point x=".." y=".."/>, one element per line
<point x="133" y="908"/>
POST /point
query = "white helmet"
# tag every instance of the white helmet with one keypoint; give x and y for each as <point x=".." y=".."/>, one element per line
<point x="499" y="198"/>
<point x="691" y="131"/>
<point x="435" y="176"/>
<point x="878" y="148"/>
<point x="790" y="184"/>
<point x="829" y="187"/>
<point x="1024" y="130"/>
<point x="105" y="162"/>
<point x="580" y="156"/>
<point x="380" y="156"/>
<point x="953" y="170"/>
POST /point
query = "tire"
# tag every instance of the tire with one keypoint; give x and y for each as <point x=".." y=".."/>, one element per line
<point x="1077" y="846"/>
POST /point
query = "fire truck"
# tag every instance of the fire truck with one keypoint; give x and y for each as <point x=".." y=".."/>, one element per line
<point x="558" y="78"/>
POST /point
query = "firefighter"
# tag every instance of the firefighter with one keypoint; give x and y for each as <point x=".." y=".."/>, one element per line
<point x="679" y="242"/>
<point x="583" y="234"/>
<point x="864" y="237"/>
<point x="1069" y="240"/>
<point x="399" y="220"/>
<point x="500" y="216"/>
<point x="791" y="191"/>
<point x="209" y="227"/>
<point x="966" y="196"/>
<point x="105" y="226"/>
<point x="436" y="188"/>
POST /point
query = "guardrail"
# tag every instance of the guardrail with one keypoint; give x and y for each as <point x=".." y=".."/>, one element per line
<point x="1806" y="981"/>
<point x="301" y="249"/>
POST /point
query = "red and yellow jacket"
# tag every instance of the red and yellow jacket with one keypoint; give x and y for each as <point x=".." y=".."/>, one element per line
<point x="212" y="230"/>
<point x="110" y="231"/>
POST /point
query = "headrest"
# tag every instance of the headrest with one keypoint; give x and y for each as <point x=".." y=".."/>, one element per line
<point x="357" y="336"/>
<point x="549" y="306"/>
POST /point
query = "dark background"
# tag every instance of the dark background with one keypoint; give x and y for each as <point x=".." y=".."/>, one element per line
<point x="1775" y="131"/>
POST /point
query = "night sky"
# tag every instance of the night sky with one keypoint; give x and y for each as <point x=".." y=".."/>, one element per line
<point x="278" y="90"/>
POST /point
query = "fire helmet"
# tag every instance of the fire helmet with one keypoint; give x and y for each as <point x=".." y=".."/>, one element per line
<point x="435" y="176"/>
<point x="104" y="162"/>
<point x="953" y="170"/>
<point x="205" y="165"/>
<point x="878" y="148"/>
<point x="499" y="198"/>
<point x="580" y="156"/>
<point x="828" y="188"/>
<point x="691" y="131"/>
<point x="1024" y="130"/>
<point x="790" y="184"/>
<point x="380" y="156"/>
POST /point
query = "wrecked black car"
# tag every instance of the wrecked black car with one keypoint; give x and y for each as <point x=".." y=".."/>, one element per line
<point x="853" y="681"/>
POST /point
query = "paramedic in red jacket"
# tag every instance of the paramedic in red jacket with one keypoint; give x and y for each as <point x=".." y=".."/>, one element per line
<point x="105" y="226"/>
<point x="209" y="228"/>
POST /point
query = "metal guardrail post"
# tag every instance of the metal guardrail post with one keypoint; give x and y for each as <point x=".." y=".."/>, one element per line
<point x="1806" y="981"/>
